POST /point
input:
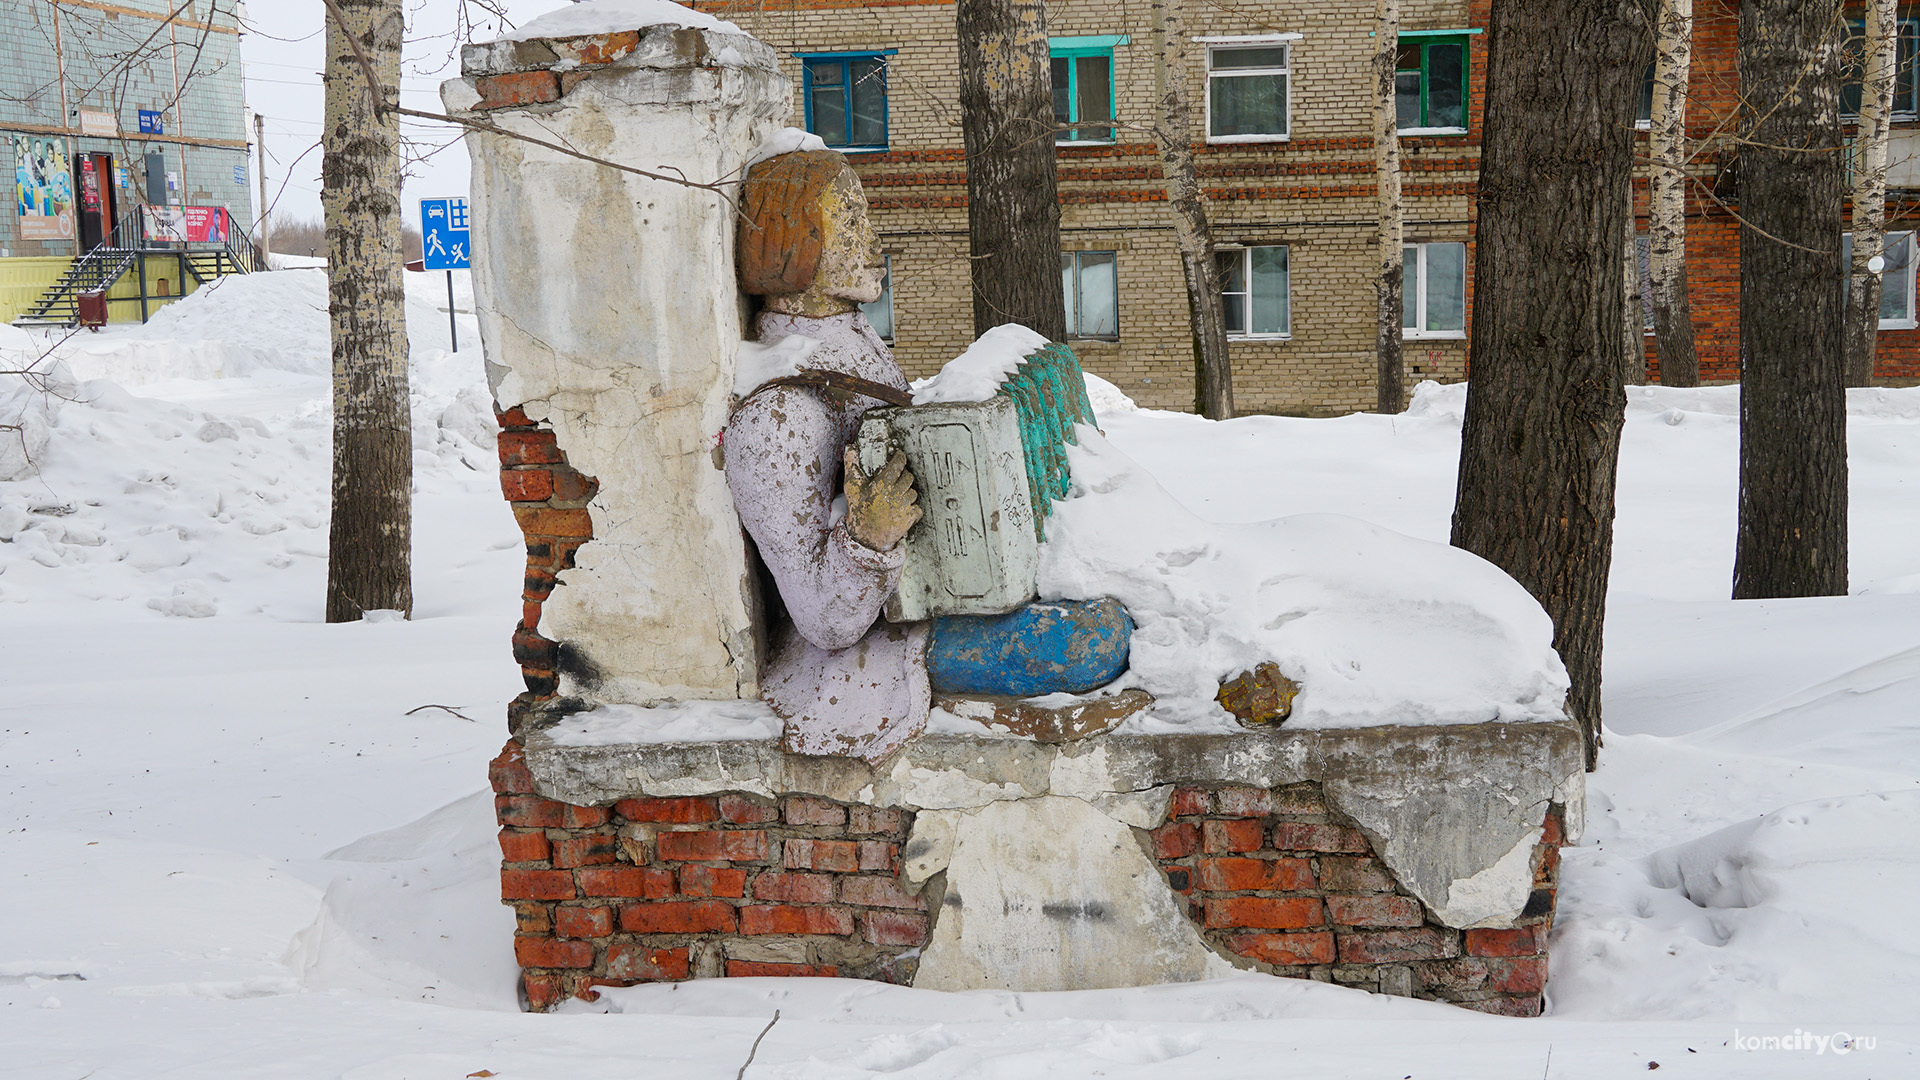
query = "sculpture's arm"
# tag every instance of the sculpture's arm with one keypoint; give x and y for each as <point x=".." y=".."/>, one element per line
<point x="783" y="459"/>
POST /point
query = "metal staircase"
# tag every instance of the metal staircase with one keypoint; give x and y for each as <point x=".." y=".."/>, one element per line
<point x="127" y="248"/>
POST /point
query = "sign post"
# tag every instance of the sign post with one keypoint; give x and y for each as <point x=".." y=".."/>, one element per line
<point x="445" y="242"/>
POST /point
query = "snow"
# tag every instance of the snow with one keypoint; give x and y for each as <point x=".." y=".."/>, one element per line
<point x="612" y="16"/>
<point x="247" y="844"/>
<point x="785" y="141"/>
<point x="679" y="721"/>
<point x="976" y="374"/>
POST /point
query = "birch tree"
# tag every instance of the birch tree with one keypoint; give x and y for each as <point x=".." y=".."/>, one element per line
<point x="1870" y="187"/>
<point x="1013" y="204"/>
<point x="1667" y="195"/>
<point x="1187" y="204"/>
<point x="1389" y="283"/>
<point x="369" y="545"/>
<point x="1792" y="537"/>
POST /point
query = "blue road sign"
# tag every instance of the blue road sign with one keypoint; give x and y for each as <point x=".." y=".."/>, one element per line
<point x="152" y="123"/>
<point x="444" y="236"/>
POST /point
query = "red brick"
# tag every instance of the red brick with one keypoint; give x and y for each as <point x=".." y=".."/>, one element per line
<point x="517" y="88"/>
<point x="1296" y="836"/>
<point x="1244" y="802"/>
<point x="839" y="856"/>
<point x="1520" y="941"/>
<point x="515" y="417"/>
<point x="1286" y="950"/>
<point x="530" y="613"/>
<point x="533" y="918"/>
<point x="709" y="846"/>
<point x="1188" y="801"/>
<point x="1259" y="912"/>
<point x="749" y="969"/>
<point x="625" y="961"/>
<point x="583" y="922"/>
<point x="528" y="448"/>
<point x="590" y="850"/>
<point x="537" y="520"/>
<point x="893" y="928"/>
<point x="697" y="880"/>
<point x="1354" y="875"/>
<point x="794" y="888"/>
<point x="508" y="772"/>
<point x="571" y="486"/>
<point x="1219" y="836"/>
<point x="545" y="952"/>
<point x="531" y="649"/>
<point x="1375" y="911"/>
<point x="598" y="48"/>
<point x="1300" y="799"/>
<point x="529" y="811"/>
<point x="1552" y="832"/>
<point x="536" y="585"/>
<point x="1398" y="946"/>
<point x="878" y="892"/>
<point x="630" y="882"/>
<point x="536" y="884"/>
<point x="1546" y="865"/>
<point x="877" y="854"/>
<point x="1175" y="840"/>
<point x="544" y="991"/>
<point x="526" y="485"/>
<point x="1517" y="974"/>
<point x="516" y="846"/>
<point x="678" y="917"/>
<point x="739" y="810"/>
<point x="807" y="810"/>
<point x="1249" y="875"/>
<point x="784" y="919"/>
<point x="875" y="821"/>
<point x="694" y="811"/>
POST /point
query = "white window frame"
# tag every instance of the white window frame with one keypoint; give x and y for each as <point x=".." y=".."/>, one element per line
<point x="1231" y="42"/>
<point x="1075" y="255"/>
<point x="1911" y="322"/>
<point x="1415" y="296"/>
<point x="1246" y="275"/>
<point x="886" y="298"/>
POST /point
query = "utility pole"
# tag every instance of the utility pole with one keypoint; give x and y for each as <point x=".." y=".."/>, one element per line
<point x="263" y="229"/>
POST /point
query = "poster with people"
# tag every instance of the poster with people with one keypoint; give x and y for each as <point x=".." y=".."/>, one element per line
<point x="188" y="224"/>
<point x="43" y="187"/>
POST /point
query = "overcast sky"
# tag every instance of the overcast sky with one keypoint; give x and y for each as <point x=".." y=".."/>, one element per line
<point x="285" y="51"/>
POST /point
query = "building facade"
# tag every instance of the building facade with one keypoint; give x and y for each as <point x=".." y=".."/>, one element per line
<point x="109" y="106"/>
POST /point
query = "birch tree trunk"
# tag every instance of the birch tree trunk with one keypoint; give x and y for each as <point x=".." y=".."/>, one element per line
<point x="1390" y="395"/>
<point x="1173" y="132"/>
<point x="1541" y="441"/>
<point x="369" y="548"/>
<point x="1870" y="188"/>
<point x="1792" y="537"/>
<point x="1667" y="196"/>
<point x="1013" y="204"/>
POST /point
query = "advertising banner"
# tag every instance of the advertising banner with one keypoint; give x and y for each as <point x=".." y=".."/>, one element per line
<point x="43" y="187"/>
<point x="189" y="224"/>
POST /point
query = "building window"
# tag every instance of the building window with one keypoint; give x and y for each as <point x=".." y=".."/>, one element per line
<point x="1083" y="87"/>
<point x="1906" y="71"/>
<point x="1247" y="89"/>
<point x="1435" y="300"/>
<point x="1430" y="84"/>
<point x="1643" y="116"/>
<point x="1254" y="290"/>
<point x="880" y="313"/>
<point x="1091" y="284"/>
<point x="1643" y="246"/>
<point x="846" y="99"/>
<point x="1896" y="281"/>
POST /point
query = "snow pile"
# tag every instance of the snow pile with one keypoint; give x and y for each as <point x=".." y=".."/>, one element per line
<point x="785" y="141"/>
<point x="976" y="374"/>
<point x="755" y="364"/>
<point x="678" y="721"/>
<point x="613" y="16"/>
<point x="1376" y="627"/>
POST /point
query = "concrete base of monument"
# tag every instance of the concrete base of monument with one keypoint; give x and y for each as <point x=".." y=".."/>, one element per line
<point x="1415" y="860"/>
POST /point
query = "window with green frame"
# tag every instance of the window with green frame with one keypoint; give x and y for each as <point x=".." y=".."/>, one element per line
<point x="1083" y="87"/>
<point x="1430" y="87"/>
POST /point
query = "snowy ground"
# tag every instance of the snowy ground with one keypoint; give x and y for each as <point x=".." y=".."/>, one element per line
<point x="232" y="848"/>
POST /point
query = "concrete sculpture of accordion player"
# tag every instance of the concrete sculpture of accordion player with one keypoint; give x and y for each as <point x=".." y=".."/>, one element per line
<point x="901" y="538"/>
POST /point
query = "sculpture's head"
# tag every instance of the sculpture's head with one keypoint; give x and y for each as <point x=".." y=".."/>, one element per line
<point x="805" y="242"/>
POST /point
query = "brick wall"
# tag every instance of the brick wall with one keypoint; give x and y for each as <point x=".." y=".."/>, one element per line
<point x="666" y="889"/>
<point x="549" y="499"/>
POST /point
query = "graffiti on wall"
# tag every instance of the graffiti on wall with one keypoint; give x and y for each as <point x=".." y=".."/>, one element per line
<point x="43" y="188"/>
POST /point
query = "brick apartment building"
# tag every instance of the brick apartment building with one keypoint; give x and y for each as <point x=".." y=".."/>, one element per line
<point x="1282" y="92"/>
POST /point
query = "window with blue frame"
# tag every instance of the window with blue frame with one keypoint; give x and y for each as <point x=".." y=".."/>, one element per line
<point x="846" y="98"/>
<point x="1430" y="87"/>
<point x="1906" y="70"/>
<point x="1083" y="87"/>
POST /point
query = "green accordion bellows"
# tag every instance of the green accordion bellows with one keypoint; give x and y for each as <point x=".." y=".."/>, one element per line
<point x="1049" y="393"/>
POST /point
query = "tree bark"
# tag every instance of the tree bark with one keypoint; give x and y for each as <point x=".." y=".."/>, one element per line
<point x="1013" y="206"/>
<point x="1192" y="237"/>
<point x="369" y="550"/>
<point x="1542" y="433"/>
<point x="1793" y="406"/>
<point x="1390" y="380"/>
<point x="1870" y="188"/>
<point x="1667" y="196"/>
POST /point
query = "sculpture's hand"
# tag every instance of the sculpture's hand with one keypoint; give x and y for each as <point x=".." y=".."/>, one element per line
<point x="881" y="506"/>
